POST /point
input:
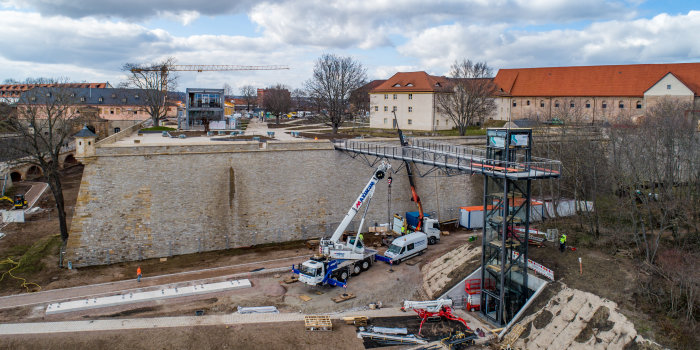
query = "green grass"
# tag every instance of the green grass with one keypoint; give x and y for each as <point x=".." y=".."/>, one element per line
<point x="494" y="123"/>
<point x="158" y="128"/>
<point x="30" y="261"/>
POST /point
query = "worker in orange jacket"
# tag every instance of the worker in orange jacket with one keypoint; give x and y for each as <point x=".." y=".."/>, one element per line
<point x="138" y="273"/>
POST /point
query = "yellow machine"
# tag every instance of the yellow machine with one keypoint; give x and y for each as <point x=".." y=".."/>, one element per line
<point x="18" y="203"/>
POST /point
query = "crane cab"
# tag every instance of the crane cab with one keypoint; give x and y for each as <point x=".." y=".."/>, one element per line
<point x="20" y="202"/>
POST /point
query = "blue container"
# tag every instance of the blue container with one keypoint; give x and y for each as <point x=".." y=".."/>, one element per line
<point x="412" y="218"/>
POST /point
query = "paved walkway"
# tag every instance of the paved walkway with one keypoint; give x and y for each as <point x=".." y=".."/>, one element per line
<point x="148" y="283"/>
<point x="168" y="322"/>
<point x="259" y="127"/>
<point x="34" y="193"/>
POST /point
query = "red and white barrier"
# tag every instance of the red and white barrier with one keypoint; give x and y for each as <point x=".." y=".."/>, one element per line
<point x="537" y="267"/>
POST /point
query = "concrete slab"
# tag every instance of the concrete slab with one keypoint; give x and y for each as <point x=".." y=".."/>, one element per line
<point x="129" y="298"/>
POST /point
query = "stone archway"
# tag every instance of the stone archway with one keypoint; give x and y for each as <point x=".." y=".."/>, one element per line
<point x="69" y="160"/>
<point x="16" y="176"/>
<point x="32" y="172"/>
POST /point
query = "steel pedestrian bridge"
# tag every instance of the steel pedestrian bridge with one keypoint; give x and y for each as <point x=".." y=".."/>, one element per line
<point x="465" y="159"/>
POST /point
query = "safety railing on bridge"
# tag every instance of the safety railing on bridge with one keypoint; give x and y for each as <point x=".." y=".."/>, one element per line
<point x="456" y="157"/>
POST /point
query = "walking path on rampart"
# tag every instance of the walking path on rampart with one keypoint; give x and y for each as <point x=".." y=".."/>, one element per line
<point x="148" y="283"/>
<point x="176" y="321"/>
<point x="32" y="196"/>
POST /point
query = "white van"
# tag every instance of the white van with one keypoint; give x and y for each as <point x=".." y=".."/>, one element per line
<point x="407" y="246"/>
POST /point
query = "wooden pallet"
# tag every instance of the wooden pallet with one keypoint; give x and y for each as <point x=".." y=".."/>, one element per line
<point x="359" y="321"/>
<point x="318" y="323"/>
<point x="291" y="279"/>
<point x="343" y="297"/>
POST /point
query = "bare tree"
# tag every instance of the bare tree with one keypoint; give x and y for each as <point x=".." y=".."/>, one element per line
<point x="228" y="90"/>
<point x="655" y="163"/>
<point x="359" y="99"/>
<point x="277" y="101"/>
<point x="249" y="93"/>
<point x="154" y="80"/>
<point x="469" y="96"/>
<point x="44" y="121"/>
<point x="334" y="78"/>
<point x="299" y="99"/>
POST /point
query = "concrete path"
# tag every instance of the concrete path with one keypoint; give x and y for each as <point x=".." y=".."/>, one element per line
<point x="258" y="127"/>
<point x="179" y="321"/>
<point x="148" y="283"/>
<point x="34" y="193"/>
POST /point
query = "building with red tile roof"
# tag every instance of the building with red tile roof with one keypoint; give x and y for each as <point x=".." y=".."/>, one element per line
<point x="412" y="96"/>
<point x="592" y="93"/>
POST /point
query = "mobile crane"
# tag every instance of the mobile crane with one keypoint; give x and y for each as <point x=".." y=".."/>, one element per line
<point x="337" y="260"/>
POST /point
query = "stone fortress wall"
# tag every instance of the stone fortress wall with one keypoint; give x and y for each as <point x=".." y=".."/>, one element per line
<point x="147" y="201"/>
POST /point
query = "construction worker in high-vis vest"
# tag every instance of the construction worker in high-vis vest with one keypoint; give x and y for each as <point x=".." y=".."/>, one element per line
<point x="562" y="243"/>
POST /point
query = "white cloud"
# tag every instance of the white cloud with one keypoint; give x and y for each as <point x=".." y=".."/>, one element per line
<point x="370" y="24"/>
<point x="92" y="49"/>
<point x="663" y="38"/>
<point x="129" y="9"/>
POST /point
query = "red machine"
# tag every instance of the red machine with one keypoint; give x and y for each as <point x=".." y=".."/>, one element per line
<point x="473" y="289"/>
<point x="440" y="308"/>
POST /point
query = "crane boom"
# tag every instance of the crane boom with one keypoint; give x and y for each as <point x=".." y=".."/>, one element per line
<point x="366" y="193"/>
<point x="409" y="171"/>
<point x="205" y="68"/>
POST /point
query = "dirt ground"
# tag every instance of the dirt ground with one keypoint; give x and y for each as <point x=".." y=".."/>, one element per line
<point x="262" y="336"/>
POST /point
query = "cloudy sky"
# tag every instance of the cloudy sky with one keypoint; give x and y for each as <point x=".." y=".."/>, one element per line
<point x="89" y="40"/>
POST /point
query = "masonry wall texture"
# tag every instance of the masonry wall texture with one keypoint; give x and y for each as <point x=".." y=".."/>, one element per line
<point x="141" y="202"/>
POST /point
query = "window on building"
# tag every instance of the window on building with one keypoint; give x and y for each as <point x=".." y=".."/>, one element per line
<point x="668" y="87"/>
<point x="556" y="104"/>
<point x="101" y="99"/>
<point x="621" y="105"/>
<point x="111" y="111"/>
<point x="572" y="104"/>
<point x="410" y="96"/>
<point x="397" y="85"/>
<point x="409" y="84"/>
<point x="515" y="104"/>
<point x="116" y="130"/>
<point x="410" y="109"/>
<point x="376" y="108"/>
<point x="385" y="120"/>
<point x="393" y="109"/>
<point x="395" y="96"/>
<point x="437" y="122"/>
<point x="124" y="100"/>
<point x="135" y="112"/>
<point x="639" y="104"/>
<point x="541" y="104"/>
<point x="604" y="105"/>
<point x="410" y="121"/>
<point x="386" y="108"/>
<point x="386" y="96"/>
<point x="588" y="104"/>
<point x="82" y="99"/>
<point x="527" y="102"/>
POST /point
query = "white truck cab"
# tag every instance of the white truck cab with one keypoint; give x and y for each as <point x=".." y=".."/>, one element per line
<point x="311" y="272"/>
<point x="431" y="227"/>
<point x="407" y="246"/>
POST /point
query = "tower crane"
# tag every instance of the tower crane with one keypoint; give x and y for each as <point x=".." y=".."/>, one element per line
<point x="164" y="69"/>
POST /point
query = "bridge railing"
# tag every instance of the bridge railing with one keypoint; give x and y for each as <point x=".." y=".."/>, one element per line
<point x="463" y="158"/>
<point x="122" y="134"/>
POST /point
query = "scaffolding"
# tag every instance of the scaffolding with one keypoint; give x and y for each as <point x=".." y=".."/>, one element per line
<point x="508" y="168"/>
